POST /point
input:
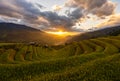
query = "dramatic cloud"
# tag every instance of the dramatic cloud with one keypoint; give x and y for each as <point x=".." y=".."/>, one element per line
<point x="87" y="4"/>
<point x="98" y="8"/>
<point x="20" y="9"/>
<point x="30" y="14"/>
<point x="105" y="10"/>
<point x="76" y="13"/>
<point x="56" y="20"/>
<point x="34" y="14"/>
<point x="114" y="20"/>
<point x="95" y="7"/>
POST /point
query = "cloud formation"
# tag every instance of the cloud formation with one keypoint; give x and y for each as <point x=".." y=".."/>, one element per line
<point x="105" y="10"/>
<point x="114" y="20"/>
<point x="95" y="7"/>
<point x="57" y="8"/>
<point x="26" y="12"/>
<point x="20" y="9"/>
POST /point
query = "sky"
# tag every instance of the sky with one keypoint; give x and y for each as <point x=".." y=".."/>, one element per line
<point x="66" y="15"/>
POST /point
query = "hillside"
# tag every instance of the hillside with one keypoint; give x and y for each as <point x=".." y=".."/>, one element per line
<point x="10" y="32"/>
<point x="89" y="60"/>
<point x="109" y="31"/>
<point x="15" y="27"/>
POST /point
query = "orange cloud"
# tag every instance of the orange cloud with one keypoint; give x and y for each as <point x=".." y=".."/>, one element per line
<point x="114" y="20"/>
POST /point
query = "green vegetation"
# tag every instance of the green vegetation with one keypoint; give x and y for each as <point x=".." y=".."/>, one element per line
<point x="88" y="60"/>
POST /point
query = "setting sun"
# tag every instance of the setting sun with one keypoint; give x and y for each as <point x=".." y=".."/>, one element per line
<point x="62" y="33"/>
<point x="58" y="33"/>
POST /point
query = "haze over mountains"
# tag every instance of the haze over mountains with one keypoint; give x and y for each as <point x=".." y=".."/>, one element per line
<point x="10" y="32"/>
<point x="108" y="31"/>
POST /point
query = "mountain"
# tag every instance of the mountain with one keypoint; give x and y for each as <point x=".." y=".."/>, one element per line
<point x="109" y="31"/>
<point x="10" y="32"/>
<point x="15" y="27"/>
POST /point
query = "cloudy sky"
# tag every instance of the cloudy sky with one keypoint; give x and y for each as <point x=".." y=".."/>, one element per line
<point x="68" y="15"/>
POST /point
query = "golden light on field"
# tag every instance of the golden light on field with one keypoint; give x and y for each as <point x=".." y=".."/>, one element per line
<point x="62" y="33"/>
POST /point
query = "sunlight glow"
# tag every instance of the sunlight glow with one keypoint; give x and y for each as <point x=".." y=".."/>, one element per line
<point x="62" y="33"/>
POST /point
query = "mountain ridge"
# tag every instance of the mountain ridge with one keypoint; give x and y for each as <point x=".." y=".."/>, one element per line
<point x="4" y="26"/>
<point x="10" y="32"/>
<point x="109" y="31"/>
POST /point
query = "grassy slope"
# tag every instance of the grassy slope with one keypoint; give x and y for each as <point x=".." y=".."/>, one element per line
<point x="88" y="60"/>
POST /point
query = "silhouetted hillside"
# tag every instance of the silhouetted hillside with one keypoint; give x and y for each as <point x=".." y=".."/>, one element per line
<point x="110" y="31"/>
<point x="10" y="32"/>
<point x="15" y="27"/>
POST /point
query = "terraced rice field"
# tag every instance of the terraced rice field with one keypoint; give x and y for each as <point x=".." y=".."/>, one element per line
<point x="89" y="60"/>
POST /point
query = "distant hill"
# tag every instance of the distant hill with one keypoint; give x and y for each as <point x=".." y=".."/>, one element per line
<point x="10" y="32"/>
<point x="109" y="31"/>
<point x="15" y="27"/>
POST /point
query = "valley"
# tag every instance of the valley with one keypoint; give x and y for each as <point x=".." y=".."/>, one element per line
<point x="59" y="40"/>
<point x="94" y="59"/>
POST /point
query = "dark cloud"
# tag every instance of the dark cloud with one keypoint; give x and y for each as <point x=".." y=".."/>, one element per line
<point x="28" y="7"/>
<point x="57" y="20"/>
<point x="87" y="4"/>
<point x="31" y="13"/>
<point x="76" y="14"/>
<point x="91" y="4"/>
<point x="8" y="9"/>
<point x="95" y="7"/>
<point x="20" y="9"/>
<point x="106" y="10"/>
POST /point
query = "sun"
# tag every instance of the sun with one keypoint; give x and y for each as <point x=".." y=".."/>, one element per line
<point x="61" y="33"/>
